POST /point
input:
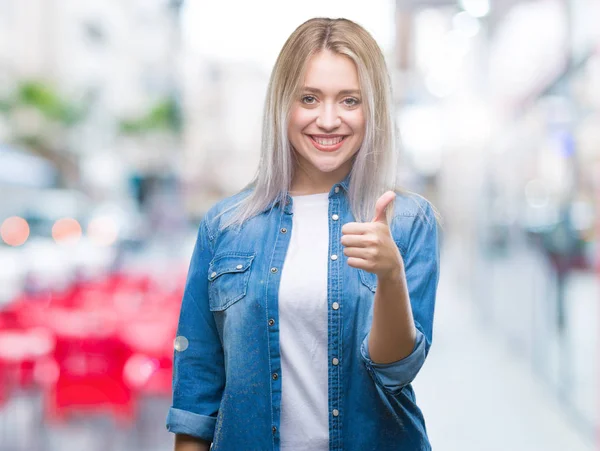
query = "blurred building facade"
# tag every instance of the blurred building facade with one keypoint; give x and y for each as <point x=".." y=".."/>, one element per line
<point x="112" y="61"/>
<point x="223" y="104"/>
<point x="499" y="116"/>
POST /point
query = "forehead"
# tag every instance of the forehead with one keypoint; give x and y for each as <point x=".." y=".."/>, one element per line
<point x="331" y="72"/>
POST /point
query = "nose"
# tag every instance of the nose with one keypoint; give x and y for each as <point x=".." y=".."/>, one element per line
<point x="328" y="118"/>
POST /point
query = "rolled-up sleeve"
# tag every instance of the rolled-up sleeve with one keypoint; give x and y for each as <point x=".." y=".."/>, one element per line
<point x="393" y="376"/>
<point x="198" y="366"/>
<point x="422" y="268"/>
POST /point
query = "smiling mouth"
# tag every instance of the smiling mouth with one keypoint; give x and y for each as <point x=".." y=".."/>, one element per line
<point x="327" y="141"/>
<point x="327" y="144"/>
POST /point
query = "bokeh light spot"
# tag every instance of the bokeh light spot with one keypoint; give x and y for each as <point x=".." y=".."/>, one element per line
<point x="139" y="369"/>
<point x="14" y="231"/>
<point x="103" y="231"/>
<point x="66" y="230"/>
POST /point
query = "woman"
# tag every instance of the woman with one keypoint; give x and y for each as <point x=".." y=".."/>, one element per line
<point x="309" y="303"/>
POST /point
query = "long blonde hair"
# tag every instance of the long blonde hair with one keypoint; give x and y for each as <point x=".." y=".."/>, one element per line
<point x="375" y="164"/>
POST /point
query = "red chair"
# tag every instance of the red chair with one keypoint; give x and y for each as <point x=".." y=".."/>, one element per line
<point x="149" y="370"/>
<point x="20" y="351"/>
<point x="4" y="394"/>
<point x="90" y="361"/>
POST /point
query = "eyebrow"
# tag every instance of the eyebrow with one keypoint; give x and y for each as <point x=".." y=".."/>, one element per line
<point x="342" y="92"/>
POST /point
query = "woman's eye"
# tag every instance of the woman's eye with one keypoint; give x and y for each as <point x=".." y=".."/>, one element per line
<point x="350" y="101"/>
<point x="309" y="100"/>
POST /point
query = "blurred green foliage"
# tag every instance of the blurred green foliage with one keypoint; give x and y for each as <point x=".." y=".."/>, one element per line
<point x="163" y="116"/>
<point x="59" y="115"/>
<point x="44" y="98"/>
<point x="4" y="106"/>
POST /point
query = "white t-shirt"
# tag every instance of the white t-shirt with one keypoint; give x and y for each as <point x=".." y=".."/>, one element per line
<point x="303" y="328"/>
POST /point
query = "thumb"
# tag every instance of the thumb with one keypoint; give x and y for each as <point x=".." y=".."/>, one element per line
<point x="381" y="206"/>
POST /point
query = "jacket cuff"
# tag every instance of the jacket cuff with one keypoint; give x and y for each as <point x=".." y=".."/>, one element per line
<point x="185" y="422"/>
<point x="392" y="377"/>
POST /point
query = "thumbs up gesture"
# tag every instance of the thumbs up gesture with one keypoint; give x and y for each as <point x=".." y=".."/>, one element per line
<point x="370" y="246"/>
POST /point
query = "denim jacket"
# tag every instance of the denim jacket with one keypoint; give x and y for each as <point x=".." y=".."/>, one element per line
<point x="227" y="375"/>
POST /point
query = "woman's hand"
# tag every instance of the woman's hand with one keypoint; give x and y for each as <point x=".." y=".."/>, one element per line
<point x="370" y="246"/>
<point x="184" y="442"/>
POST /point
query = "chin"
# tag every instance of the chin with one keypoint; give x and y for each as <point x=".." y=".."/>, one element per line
<point x="327" y="167"/>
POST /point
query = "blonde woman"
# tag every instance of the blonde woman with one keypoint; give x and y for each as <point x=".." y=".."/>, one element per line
<point x="309" y="304"/>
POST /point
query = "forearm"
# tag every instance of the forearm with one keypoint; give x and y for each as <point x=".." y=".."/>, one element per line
<point x="392" y="336"/>
<point x="185" y="442"/>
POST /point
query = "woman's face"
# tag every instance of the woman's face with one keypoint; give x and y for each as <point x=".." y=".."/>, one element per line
<point x="327" y="125"/>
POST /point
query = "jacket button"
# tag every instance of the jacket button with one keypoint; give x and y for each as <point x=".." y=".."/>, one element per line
<point x="273" y="270"/>
<point x="275" y="376"/>
<point x="274" y="430"/>
<point x="335" y="217"/>
<point x="335" y="412"/>
<point x="271" y="322"/>
<point x="334" y="257"/>
<point x="335" y="361"/>
<point x="239" y="267"/>
<point x="213" y="274"/>
<point x="335" y="306"/>
<point x="283" y="230"/>
<point x="337" y="189"/>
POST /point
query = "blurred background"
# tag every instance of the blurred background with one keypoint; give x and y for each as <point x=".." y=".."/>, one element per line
<point x="123" y="121"/>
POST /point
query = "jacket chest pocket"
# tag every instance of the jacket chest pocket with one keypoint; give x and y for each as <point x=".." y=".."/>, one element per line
<point x="368" y="279"/>
<point x="228" y="276"/>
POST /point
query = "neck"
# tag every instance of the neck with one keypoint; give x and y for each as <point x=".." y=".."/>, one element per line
<point x="305" y="183"/>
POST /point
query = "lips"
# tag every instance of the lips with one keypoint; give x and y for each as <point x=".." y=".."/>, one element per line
<point x="326" y="143"/>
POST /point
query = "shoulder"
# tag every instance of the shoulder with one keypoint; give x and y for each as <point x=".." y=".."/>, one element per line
<point x="413" y="205"/>
<point x="221" y="210"/>
<point x="414" y="215"/>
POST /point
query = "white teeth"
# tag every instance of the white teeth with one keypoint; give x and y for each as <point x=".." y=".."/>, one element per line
<point x="328" y="142"/>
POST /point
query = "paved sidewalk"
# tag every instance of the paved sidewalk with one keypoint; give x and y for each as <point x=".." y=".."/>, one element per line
<point x="476" y="395"/>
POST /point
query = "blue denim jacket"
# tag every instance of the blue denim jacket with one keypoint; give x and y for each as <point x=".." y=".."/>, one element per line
<point x="227" y="364"/>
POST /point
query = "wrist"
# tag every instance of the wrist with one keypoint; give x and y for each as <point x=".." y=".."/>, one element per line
<point x="394" y="275"/>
